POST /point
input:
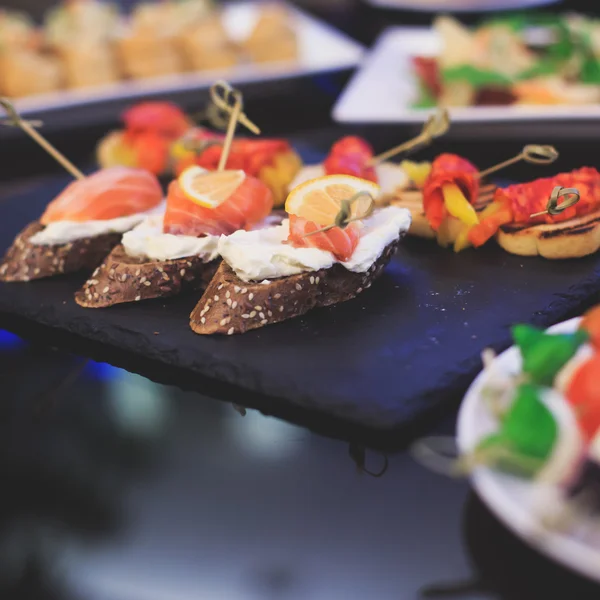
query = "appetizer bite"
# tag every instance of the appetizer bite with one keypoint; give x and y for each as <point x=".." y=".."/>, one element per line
<point x="206" y="45"/>
<point x="273" y="161"/>
<point x="147" y="46"/>
<point x="151" y="130"/>
<point x="81" y="34"/>
<point x="274" y="37"/>
<point x="353" y="155"/>
<point x="332" y="246"/>
<point x="24" y="69"/>
<point x="525" y="219"/>
<point x="83" y="223"/>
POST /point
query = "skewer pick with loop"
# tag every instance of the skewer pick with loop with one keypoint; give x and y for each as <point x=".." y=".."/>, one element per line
<point x="230" y="100"/>
<point x="553" y="207"/>
<point x="532" y="153"/>
<point x="13" y="119"/>
<point x="435" y="126"/>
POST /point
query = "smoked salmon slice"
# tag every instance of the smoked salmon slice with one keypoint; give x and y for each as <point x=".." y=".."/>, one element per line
<point x="340" y="242"/>
<point x="107" y="194"/>
<point x="247" y="205"/>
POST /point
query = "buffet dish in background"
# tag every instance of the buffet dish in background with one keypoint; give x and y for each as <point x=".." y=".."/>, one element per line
<point x="90" y="43"/>
<point x="525" y="68"/>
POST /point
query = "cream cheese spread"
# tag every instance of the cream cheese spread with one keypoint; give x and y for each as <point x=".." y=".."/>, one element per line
<point x="264" y="254"/>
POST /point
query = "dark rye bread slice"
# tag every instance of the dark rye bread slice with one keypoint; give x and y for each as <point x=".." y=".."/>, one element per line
<point x="230" y="305"/>
<point x="567" y="239"/>
<point x="25" y="261"/>
<point x="122" y="278"/>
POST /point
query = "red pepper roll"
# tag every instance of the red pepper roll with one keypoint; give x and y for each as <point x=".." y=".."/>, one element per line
<point x="350" y="156"/>
<point x="516" y="203"/>
<point x="448" y="169"/>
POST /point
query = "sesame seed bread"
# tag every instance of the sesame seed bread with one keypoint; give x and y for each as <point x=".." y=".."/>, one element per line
<point x="25" y="261"/>
<point x="568" y="239"/>
<point x="230" y="305"/>
<point x="122" y="278"/>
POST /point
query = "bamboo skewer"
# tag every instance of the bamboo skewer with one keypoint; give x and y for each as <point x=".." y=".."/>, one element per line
<point x="532" y="153"/>
<point x="222" y="95"/>
<point x="435" y="126"/>
<point x="15" y="120"/>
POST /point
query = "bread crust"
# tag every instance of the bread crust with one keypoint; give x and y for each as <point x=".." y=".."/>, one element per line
<point x="568" y="239"/>
<point x="230" y="305"/>
<point x="25" y="261"/>
<point x="122" y="278"/>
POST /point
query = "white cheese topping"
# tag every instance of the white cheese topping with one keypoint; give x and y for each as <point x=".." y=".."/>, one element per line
<point x="62" y="232"/>
<point x="263" y="254"/>
<point x="148" y="240"/>
<point x="389" y="176"/>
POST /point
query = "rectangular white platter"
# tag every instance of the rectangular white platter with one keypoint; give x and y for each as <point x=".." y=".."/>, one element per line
<point x="322" y="49"/>
<point x="385" y="87"/>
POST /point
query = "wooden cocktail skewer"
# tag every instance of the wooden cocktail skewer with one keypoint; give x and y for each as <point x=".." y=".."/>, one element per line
<point x="222" y="95"/>
<point x="553" y="207"/>
<point x="435" y="126"/>
<point x="532" y="153"/>
<point x="14" y="119"/>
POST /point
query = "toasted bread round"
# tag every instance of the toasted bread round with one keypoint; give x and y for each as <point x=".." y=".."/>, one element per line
<point x="412" y="199"/>
<point x="569" y="239"/>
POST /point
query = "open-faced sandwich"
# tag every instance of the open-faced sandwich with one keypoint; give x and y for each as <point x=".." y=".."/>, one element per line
<point x="82" y="224"/>
<point x="332" y="246"/>
<point x="448" y="203"/>
<point x="178" y="249"/>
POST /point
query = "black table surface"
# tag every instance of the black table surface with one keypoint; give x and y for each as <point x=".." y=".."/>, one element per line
<point x="115" y="488"/>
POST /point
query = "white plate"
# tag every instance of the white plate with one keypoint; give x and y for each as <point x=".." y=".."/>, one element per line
<point x="510" y="498"/>
<point x="321" y="49"/>
<point x="385" y="87"/>
<point x="459" y="5"/>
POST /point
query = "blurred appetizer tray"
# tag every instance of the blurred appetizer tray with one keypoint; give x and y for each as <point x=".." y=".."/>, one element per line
<point x="517" y="502"/>
<point x="369" y="370"/>
<point x="322" y="49"/>
<point x="385" y="87"/>
<point x="458" y="5"/>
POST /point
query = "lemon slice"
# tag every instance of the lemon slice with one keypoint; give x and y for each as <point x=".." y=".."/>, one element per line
<point x="209" y="188"/>
<point x="319" y="200"/>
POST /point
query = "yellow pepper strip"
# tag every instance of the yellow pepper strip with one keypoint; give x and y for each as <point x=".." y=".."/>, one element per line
<point x="458" y="206"/>
<point x="417" y="172"/>
<point x="443" y="234"/>
<point x="280" y="174"/>
<point x="462" y="239"/>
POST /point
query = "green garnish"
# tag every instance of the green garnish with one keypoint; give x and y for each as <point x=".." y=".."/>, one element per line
<point x="478" y="78"/>
<point x="526" y="436"/>
<point x="545" y="354"/>
<point x="426" y="98"/>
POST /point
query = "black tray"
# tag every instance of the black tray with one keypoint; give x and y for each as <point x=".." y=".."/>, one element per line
<point x="370" y="368"/>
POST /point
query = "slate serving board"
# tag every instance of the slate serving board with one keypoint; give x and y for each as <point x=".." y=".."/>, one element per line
<point x="370" y="368"/>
